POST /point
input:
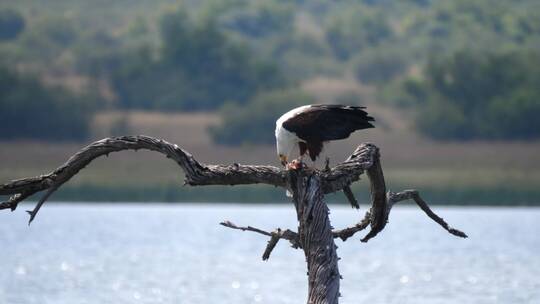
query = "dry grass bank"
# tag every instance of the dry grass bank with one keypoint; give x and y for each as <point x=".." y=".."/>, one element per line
<point x="409" y="160"/>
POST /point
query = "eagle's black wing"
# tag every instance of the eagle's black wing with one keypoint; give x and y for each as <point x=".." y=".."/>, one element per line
<point x="328" y="122"/>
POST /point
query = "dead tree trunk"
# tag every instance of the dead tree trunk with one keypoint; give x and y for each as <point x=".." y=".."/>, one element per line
<point x="315" y="238"/>
<point x="308" y="186"/>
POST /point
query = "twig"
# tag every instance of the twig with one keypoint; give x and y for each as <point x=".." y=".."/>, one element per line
<point x="350" y="197"/>
<point x="14" y="201"/>
<point x="231" y="225"/>
<point x="327" y="164"/>
<point x="346" y="233"/>
<point x="275" y="236"/>
<point x="34" y="211"/>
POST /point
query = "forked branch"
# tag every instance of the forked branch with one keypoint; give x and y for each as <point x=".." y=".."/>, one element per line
<point x="392" y="199"/>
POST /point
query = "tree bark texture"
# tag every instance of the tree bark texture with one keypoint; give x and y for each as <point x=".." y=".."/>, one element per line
<point x="315" y="235"/>
<point x="316" y="238"/>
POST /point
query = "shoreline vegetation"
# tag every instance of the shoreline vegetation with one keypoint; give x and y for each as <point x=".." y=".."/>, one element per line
<point x="173" y="193"/>
<point x="458" y="173"/>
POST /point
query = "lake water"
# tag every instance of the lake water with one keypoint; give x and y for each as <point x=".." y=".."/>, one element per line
<point x="159" y="253"/>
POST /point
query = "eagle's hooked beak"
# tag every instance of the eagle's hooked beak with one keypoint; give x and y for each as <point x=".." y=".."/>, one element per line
<point x="283" y="159"/>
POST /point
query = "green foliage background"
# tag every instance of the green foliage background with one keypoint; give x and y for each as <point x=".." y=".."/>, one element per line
<point x="251" y="123"/>
<point x="28" y="110"/>
<point x="487" y="95"/>
<point x="211" y="55"/>
<point x="11" y="24"/>
<point x="197" y="67"/>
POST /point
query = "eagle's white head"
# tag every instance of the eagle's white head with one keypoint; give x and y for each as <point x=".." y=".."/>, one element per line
<point x="285" y="143"/>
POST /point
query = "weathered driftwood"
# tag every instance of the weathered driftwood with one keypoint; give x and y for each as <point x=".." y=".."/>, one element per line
<point x="308" y="186"/>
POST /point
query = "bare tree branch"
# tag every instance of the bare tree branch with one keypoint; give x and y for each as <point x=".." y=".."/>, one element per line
<point x="378" y="211"/>
<point x="346" y="233"/>
<point x="275" y="236"/>
<point x="350" y="197"/>
<point x="394" y="198"/>
<point x="349" y="171"/>
<point x="34" y="212"/>
<point x="197" y="174"/>
<point x="14" y="200"/>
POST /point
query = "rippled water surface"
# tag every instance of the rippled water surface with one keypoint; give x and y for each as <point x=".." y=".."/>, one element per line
<point x="179" y="254"/>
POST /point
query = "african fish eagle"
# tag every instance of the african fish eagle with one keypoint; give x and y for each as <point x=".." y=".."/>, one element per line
<point x="311" y="126"/>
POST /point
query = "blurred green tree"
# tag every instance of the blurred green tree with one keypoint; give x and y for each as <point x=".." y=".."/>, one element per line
<point x="30" y="110"/>
<point x="255" y="122"/>
<point x="197" y="68"/>
<point x="356" y="29"/>
<point x="379" y="66"/>
<point x="11" y="24"/>
<point x="480" y="95"/>
<point x="261" y="19"/>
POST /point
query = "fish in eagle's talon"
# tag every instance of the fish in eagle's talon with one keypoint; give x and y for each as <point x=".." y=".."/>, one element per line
<point x="295" y="165"/>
